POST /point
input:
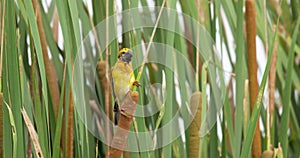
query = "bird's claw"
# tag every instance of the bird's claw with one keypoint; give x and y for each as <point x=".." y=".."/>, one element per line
<point x="136" y="83"/>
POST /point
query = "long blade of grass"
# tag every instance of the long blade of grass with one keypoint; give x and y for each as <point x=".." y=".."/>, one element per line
<point x="240" y="79"/>
<point x="169" y="105"/>
<point x="75" y="23"/>
<point x="7" y="138"/>
<point x="12" y="90"/>
<point x="57" y="136"/>
<point x="13" y="131"/>
<point x="283" y="138"/>
<point x="36" y="38"/>
<point x="49" y="68"/>
<point x="203" y="144"/>
<point x="40" y="121"/>
<point x="38" y="47"/>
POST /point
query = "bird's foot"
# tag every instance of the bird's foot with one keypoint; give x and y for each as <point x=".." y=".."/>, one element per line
<point x="136" y="83"/>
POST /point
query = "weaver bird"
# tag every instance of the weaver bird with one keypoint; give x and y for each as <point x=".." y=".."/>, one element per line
<point x="122" y="79"/>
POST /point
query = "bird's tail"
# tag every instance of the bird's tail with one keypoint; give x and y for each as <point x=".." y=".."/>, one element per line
<point x="117" y="112"/>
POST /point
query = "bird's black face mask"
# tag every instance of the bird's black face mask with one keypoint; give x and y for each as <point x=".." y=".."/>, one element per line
<point x="126" y="57"/>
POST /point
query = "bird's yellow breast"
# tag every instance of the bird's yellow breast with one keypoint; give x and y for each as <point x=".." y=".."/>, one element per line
<point x="121" y="74"/>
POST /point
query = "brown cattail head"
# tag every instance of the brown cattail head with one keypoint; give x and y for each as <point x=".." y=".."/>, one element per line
<point x="120" y="138"/>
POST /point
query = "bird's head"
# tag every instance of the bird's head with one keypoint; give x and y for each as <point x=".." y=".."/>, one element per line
<point x="125" y="55"/>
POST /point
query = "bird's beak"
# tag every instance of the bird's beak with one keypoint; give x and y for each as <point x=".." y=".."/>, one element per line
<point x="128" y="57"/>
<point x="130" y="54"/>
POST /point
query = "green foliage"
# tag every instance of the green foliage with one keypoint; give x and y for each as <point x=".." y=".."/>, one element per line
<point x="24" y="80"/>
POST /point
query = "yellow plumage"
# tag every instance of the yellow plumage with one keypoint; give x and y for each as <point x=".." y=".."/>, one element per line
<point x="122" y="79"/>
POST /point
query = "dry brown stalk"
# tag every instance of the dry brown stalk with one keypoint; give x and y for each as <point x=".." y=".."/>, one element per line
<point x="33" y="134"/>
<point x="29" y="147"/>
<point x="272" y="80"/>
<point x="252" y="70"/>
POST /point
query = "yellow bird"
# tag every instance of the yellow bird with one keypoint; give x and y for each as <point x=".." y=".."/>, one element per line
<point x="122" y="79"/>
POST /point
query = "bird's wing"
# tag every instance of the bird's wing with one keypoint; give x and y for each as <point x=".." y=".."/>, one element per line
<point x="112" y="84"/>
<point x="132" y="78"/>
